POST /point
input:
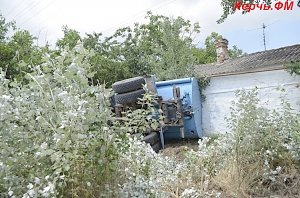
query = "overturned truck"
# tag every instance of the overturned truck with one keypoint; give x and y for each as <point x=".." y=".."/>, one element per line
<point x="179" y="102"/>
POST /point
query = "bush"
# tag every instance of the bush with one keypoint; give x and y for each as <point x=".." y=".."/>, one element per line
<point x="260" y="154"/>
<point x="59" y="138"/>
<point x="55" y="136"/>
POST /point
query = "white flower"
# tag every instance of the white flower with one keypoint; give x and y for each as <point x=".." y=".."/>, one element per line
<point x="48" y="189"/>
<point x="25" y="196"/>
<point x="37" y="180"/>
<point x="44" y="145"/>
<point x="188" y="192"/>
<point x="30" y="186"/>
<point x="10" y="193"/>
<point x="30" y="192"/>
<point x="268" y="152"/>
<point x="62" y="94"/>
<point x="6" y="97"/>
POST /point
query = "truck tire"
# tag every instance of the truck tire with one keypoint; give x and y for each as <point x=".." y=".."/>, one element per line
<point x="152" y="138"/>
<point x="112" y="101"/>
<point x="128" y="85"/>
<point x="130" y="97"/>
<point x="156" y="147"/>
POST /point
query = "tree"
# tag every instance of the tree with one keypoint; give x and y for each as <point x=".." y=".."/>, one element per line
<point x="294" y="67"/>
<point x="16" y="50"/>
<point x="209" y="54"/>
<point x="70" y="39"/>
<point x="104" y="63"/>
<point x="5" y="51"/>
<point x="229" y="7"/>
<point x="174" y="58"/>
<point x="235" y="52"/>
<point x="162" y="46"/>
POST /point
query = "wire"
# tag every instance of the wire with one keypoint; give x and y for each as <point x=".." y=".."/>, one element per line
<point x="140" y="13"/>
<point x="42" y="9"/>
<point x="25" y="11"/>
<point x="264" y="25"/>
<point x="14" y="8"/>
<point x="264" y="33"/>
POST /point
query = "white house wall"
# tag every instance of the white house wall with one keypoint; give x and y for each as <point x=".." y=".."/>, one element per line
<point x="221" y="92"/>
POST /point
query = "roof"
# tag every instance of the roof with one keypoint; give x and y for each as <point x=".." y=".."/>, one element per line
<point x="260" y="61"/>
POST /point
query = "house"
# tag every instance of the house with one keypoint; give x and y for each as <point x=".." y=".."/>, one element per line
<point x="264" y="70"/>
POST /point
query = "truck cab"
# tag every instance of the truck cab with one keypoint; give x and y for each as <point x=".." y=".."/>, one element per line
<point x="178" y="101"/>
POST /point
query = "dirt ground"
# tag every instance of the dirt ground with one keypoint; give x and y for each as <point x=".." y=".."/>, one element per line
<point x="177" y="148"/>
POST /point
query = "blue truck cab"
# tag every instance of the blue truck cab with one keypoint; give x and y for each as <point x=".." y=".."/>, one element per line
<point x="190" y="99"/>
<point x="178" y="102"/>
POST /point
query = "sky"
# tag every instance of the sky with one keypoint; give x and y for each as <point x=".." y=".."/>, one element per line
<point x="45" y="19"/>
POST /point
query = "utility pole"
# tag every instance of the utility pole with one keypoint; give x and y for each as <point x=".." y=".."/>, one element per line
<point x="264" y="32"/>
<point x="264" y="36"/>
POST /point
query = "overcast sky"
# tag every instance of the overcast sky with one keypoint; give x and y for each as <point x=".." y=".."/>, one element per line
<point x="45" y="18"/>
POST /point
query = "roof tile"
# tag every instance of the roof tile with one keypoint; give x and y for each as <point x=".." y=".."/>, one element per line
<point x="259" y="61"/>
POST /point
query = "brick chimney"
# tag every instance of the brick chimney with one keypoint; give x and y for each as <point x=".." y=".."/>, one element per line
<point x="222" y="50"/>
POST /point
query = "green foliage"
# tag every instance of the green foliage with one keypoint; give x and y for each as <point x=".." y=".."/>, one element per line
<point x="261" y="140"/>
<point x="59" y="138"/>
<point x="5" y="27"/>
<point x="210" y="47"/>
<point x="257" y="157"/>
<point x="162" y="46"/>
<point x="253" y="130"/>
<point x="174" y="58"/>
<point x="18" y="52"/>
<point x="209" y="54"/>
<point x="145" y="118"/>
<point x="70" y="39"/>
<point x="55" y="137"/>
<point x="228" y="7"/>
<point x="294" y="67"/>
<point x="235" y="52"/>
<point x="25" y="54"/>
<point x="203" y="82"/>
<point x="105" y="62"/>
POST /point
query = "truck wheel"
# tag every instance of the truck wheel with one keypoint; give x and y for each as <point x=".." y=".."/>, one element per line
<point x="152" y="138"/>
<point x="156" y="147"/>
<point x="130" y="97"/>
<point x="128" y="85"/>
<point x="112" y="101"/>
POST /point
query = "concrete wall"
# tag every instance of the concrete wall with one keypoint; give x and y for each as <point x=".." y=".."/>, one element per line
<point x="221" y="92"/>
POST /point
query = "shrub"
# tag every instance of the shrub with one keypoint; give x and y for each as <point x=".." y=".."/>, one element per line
<point x="59" y="138"/>
<point x="55" y="136"/>
<point x="259" y="156"/>
<point x="144" y="118"/>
